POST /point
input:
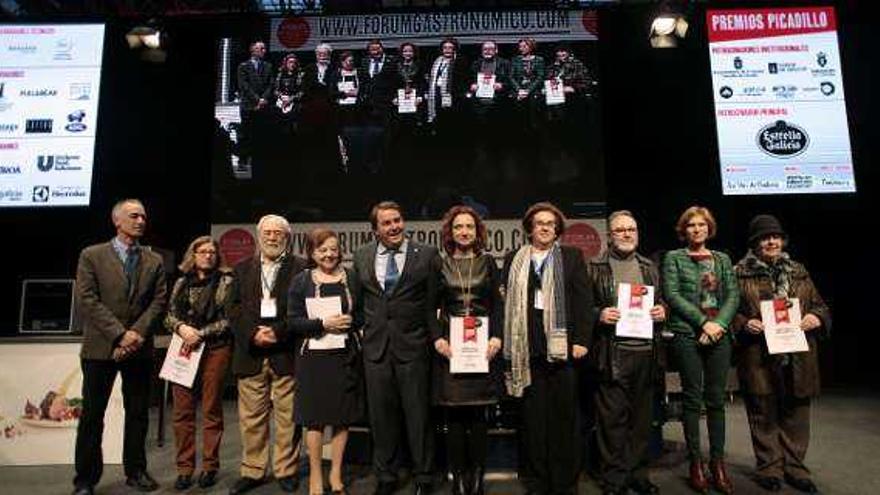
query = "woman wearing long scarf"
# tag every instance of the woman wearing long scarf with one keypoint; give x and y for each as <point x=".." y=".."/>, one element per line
<point x="778" y="387"/>
<point x="199" y="314"/>
<point x="702" y="295"/>
<point x="547" y="326"/>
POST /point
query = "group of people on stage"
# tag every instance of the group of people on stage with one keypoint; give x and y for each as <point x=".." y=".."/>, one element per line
<point x="314" y="344"/>
<point x="364" y="111"/>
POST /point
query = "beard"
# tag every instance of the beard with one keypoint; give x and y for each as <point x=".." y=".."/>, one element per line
<point x="273" y="250"/>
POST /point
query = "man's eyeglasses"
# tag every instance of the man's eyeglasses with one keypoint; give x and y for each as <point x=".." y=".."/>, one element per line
<point x="630" y="230"/>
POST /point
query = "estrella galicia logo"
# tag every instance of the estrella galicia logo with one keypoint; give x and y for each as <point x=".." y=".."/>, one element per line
<point x="737" y="63"/>
<point x="38" y="126"/>
<point x="782" y="139"/>
<point x="773" y="67"/>
<point x="726" y="92"/>
<point x="75" y="121"/>
<point x="822" y="59"/>
<point x="40" y="194"/>
<point x="826" y="88"/>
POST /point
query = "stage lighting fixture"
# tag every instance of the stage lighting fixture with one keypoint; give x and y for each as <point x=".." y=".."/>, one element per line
<point x="149" y="40"/>
<point x="668" y="27"/>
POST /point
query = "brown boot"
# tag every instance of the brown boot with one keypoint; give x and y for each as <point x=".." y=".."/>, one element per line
<point x="720" y="480"/>
<point x="698" y="480"/>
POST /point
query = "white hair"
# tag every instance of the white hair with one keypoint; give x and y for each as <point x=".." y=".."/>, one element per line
<point x="117" y="208"/>
<point x="324" y="46"/>
<point x="278" y="219"/>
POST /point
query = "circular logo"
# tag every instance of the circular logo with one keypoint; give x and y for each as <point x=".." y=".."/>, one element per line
<point x="293" y="32"/>
<point x="236" y="245"/>
<point x="584" y="237"/>
<point x="726" y="92"/>
<point x="782" y="139"/>
<point x="590" y="21"/>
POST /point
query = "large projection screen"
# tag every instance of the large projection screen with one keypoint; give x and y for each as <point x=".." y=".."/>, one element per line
<point x="50" y="78"/>
<point x="779" y="102"/>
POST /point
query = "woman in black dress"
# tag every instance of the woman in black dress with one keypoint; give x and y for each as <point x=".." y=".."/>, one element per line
<point x="327" y="367"/>
<point x="469" y="290"/>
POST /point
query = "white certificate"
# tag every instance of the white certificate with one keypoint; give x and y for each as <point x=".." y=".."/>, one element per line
<point x="635" y="302"/>
<point x="554" y="91"/>
<point x="181" y="366"/>
<point x="469" y="342"/>
<point x="344" y="88"/>
<point x="323" y="307"/>
<point x="486" y="86"/>
<point x="782" y="326"/>
<point x="406" y="101"/>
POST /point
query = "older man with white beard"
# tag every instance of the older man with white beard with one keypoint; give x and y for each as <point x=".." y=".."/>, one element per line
<point x="263" y="360"/>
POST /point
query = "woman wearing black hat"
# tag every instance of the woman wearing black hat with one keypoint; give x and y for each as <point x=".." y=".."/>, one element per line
<point x="778" y="387"/>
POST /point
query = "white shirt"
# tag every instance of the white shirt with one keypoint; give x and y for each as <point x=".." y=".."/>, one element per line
<point x="382" y="261"/>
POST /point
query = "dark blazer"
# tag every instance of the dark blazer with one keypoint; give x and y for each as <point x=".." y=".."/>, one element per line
<point x="247" y="358"/>
<point x="502" y="75"/>
<point x="106" y="308"/>
<point x="254" y="84"/>
<point x="404" y="320"/>
<point x="578" y="295"/>
<point x="378" y="91"/>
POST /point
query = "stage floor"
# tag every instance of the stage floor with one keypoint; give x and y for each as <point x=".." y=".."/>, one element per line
<point x="843" y="457"/>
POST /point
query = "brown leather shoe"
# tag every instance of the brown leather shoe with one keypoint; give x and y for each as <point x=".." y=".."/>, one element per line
<point x="698" y="480"/>
<point x="720" y="480"/>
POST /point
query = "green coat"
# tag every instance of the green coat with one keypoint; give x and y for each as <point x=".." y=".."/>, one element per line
<point x="681" y="288"/>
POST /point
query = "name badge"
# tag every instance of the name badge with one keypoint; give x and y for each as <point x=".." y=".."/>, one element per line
<point x="557" y="343"/>
<point x="446" y="101"/>
<point x="539" y="299"/>
<point x="268" y="308"/>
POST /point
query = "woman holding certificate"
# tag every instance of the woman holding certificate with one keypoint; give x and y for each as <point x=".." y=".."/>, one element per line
<point x="779" y="303"/>
<point x="198" y="314"/>
<point x="327" y="371"/>
<point x="548" y="324"/>
<point x="701" y="291"/>
<point x="465" y="382"/>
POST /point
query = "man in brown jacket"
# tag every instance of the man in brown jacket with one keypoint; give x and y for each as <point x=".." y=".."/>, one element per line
<point x="120" y="297"/>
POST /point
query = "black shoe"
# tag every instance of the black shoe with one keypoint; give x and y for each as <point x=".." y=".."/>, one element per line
<point x="83" y="490"/>
<point x="769" y="483"/>
<point x="288" y="484"/>
<point x="385" y="488"/>
<point x="477" y="481"/>
<point x="801" y="484"/>
<point x="142" y="482"/>
<point x="422" y="489"/>
<point x="207" y="479"/>
<point x="644" y="487"/>
<point x="245" y="484"/>
<point x="459" y="486"/>
<point x="184" y="482"/>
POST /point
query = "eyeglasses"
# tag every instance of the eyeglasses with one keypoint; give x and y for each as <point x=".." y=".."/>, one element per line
<point x="621" y="231"/>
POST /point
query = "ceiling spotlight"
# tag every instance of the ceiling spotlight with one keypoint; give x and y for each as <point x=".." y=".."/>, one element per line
<point x="149" y="40"/>
<point x="668" y="27"/>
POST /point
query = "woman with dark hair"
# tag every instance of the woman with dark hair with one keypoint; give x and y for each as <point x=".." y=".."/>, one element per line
<point x="199" y="313"/>
<point x="701" y="291"/>
<point x="289" y="93"/>
<point x="778" y="387"/>
<point x="527" y="79"/>
<point x="468" y="291"/>
<point x="547" y="326"/>
<point x="327" y="369"/>
<point x="447" y="86"/>
<point x="344" y="84"/>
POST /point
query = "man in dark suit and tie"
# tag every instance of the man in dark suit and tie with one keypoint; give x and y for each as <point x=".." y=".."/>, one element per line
<point x="398" y="296"/>
<point x="254" y="90"/>
<point x="120" y="297"/>
<point x="379" y="75"/>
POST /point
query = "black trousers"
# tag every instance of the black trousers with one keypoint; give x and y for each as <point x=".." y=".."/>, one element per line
<point x="399" y="393"/>
<point x="467" y="438"/>
<point x="623" y="410"/>
<point x="98" y="378"/>
<point x="550" y="433"/>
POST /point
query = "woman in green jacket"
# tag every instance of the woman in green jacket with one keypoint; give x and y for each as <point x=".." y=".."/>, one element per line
<point x="703" y="296"/>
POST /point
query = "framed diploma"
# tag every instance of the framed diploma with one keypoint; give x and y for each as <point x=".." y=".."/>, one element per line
<point x="782" y="326"/>
<point x="635" y="302"/>
<point x="181" y="365"/>
<point x="554" y="92"/>
<point x="469" y="341"/>
<point x="406" y="101"/>
<point x="345" y="87"/>
<point x="486" y="86"/>
<point x="323" y="307"/>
